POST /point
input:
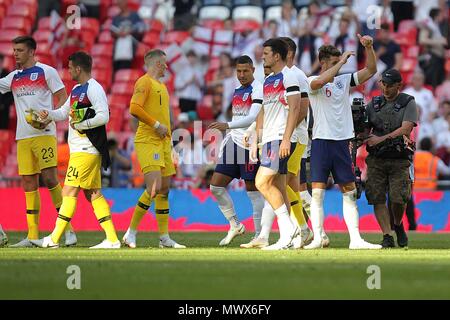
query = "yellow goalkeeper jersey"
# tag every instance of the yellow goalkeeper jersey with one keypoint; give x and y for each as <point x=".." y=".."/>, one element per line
<point x="153" y="96"/>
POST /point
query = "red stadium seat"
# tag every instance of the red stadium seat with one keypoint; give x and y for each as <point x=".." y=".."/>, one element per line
<point x="5" y="2"/>
<point x="22" y="10"/>
<point x="43" y="48"/>
<point x="125" y="89"/>
<point x="409" y="64"/>
<point x="128" y="75"/>
<point x="102" y="50"/>
<point x="119" y="100"/>
<point x="44" y="23"/>
<point x="88" y="38"/>
<point x="138" y="61"/>
<point x="33" y="3"/>
<point x="90" y="24"/>
<point x="205" y="113"/>
<point x="67" y="79"/>
<point x="207" y="101"/>
<point x="6" y="49"/>
<point x="45" y="59"/>
<point x="106" y="25"/>
<point x="245" y="25"/>
<point x="176" y="36"/>
<point x="412" y="51"/>
<point x="214" y="63"/>
<point x="213" y="24"/>
<point x="100" y="62"/>
<point x="115" y="123"/>
<point x="7" y="35"/>
<point x="134" y="5"/>
<point x="42" y="36"/>
<point x="9" y="63"/>
<point x="2" y="12"/>
<point x="154" y="25"/>
<point x="17" y="23"/>
<point x="151" y="39"/>
<point x="406" y="25"/>
<point x="103" y="76"/>
<point x="105" y="37"/>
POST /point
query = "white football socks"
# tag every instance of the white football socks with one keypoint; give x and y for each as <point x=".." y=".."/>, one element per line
<point x="268" y="216"/>
<point x="306" y="200"/>
<point x="317" y="211"/>
<point x="285" y="223"/>
<point x="257" y="200"/>
<point x="351" y="215"/>
<point x="225" y="205"/>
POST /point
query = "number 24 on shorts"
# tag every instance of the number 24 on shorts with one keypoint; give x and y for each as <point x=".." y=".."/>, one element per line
<point x="72" y="172"/>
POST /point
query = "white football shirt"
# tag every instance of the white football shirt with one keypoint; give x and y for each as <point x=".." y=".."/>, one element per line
<point x="32" y="88"/>
<point x="331" y="108"/>
<point x="277" y="87"/>
<point x="89" y="95"/>
<point x="243" y="100"/>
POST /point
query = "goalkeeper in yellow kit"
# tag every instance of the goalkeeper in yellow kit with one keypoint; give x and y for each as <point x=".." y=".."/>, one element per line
<point x="153" y="144"/>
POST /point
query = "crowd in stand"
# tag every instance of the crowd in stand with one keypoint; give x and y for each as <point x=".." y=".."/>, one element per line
<point x="412" y="36"/>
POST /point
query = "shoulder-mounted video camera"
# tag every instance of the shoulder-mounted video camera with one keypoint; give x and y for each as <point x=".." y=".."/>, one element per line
<point x="360" y="123"/>
<point x="359" y="115"/>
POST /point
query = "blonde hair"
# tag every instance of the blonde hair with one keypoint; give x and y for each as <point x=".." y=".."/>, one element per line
<point x="153" y="55"/>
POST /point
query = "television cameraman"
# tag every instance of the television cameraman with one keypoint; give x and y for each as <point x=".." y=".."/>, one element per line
<point x="391" y="118"/>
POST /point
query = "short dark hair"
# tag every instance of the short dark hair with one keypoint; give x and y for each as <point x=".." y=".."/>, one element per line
<point x="328" y="51"/>
<point x="81" y="59"/>
<point x="291" y="46"/>
<point x="244" y="60"/>
<point x="278" y="46"/>
<point x="27" y="40"/>
<point x="434" y="12"/>
<point x="426" y="144"/>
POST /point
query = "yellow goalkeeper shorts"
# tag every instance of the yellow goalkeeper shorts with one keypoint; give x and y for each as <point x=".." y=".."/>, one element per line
<point x="35" y="154"/>
<point x="294" y="162"/>
<point x="84" y="171"/>
<point x="155" y="156"/>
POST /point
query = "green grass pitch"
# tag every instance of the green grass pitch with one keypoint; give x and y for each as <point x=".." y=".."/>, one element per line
<point x="204" y="271"/>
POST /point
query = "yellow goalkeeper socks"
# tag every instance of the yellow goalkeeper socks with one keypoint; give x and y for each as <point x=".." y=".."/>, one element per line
<point x="66" y="212"/>
<point x="103" y="214"/>
<point x="296" y="208"/>
<point x="162" y="213"/>
<point x="56" y="195"/>
<point x="33" y="204"/>
<point x="140" y="210"/>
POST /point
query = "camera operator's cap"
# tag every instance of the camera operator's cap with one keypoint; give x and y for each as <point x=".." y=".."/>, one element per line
<point x="391" y="76"/>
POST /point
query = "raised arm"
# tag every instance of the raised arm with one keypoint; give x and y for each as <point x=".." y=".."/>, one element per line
<point x="371" y="61"/>
<point x="329" y="75"/>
